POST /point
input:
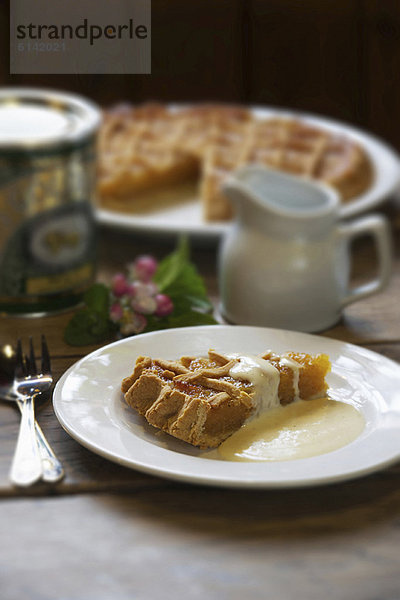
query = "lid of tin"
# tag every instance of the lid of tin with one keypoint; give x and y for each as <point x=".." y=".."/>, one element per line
<point x="38" y="119"/>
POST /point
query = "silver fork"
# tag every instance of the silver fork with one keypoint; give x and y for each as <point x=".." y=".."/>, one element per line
<point x="27" y="466"/>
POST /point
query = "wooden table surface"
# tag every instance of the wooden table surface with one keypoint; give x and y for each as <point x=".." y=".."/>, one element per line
<point x="107" y="532"/>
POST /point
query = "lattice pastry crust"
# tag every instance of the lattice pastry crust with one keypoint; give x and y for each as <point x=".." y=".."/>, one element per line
<point x="151" y="147"/>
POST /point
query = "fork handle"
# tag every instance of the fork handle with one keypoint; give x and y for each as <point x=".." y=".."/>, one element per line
<point x="26" y="466"/>
<point x="51" y="466"/>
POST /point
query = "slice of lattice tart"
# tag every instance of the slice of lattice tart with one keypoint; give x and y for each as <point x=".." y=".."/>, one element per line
<point x="203" y="401"/>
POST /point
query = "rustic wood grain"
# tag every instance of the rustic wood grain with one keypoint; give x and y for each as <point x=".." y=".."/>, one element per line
<point x="185" y="542"/>
<point x="381" y="33"/>
<point x="325" y="38"/>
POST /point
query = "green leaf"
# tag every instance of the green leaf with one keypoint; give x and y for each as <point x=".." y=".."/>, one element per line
<point x="188" y="282"/>
<point x="191" y="318"/>
<point x="91" y="325"/>
<point x="170" y="268"/>
<point x="183" y="319"/>
<point x="97" y="298"/>
<point x="88" y="327"/>
<point x="156" y="323"/>
<point x="177" y="277"/>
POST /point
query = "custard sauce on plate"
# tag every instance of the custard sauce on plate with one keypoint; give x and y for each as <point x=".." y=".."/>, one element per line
<point x="299" y="430"/>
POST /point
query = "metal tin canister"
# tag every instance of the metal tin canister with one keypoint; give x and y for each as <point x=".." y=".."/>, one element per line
<point x="47" y="186"/>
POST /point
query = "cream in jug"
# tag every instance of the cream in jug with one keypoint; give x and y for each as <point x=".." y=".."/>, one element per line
<point x="285" y="261"/>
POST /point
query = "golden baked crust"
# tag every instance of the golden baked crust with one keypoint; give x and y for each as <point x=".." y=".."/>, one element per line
<point x="150" y="147"/>
<point x="197" y="400"/>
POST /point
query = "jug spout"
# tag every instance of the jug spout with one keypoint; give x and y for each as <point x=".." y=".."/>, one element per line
<point x="248" y="207"/>
<point x="237" y="192"/>
<point x="260" y="193"/>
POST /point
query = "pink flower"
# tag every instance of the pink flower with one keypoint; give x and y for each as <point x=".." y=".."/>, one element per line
<point x="165" y="305"/>
<point x="138" y="289"/>
<point x="131" y="291"/>
<point x="145" y="305"/>
<point x="133" y="324"/>
<point x="116" y="312"/>
<point x="119" y="285"/>
<point x="144" y="268"/>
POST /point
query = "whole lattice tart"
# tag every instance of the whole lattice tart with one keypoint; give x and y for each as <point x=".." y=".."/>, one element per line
<point x="151" y="147"/>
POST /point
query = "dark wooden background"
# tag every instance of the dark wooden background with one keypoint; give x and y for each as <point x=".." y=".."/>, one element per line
<point x="339" y="58"/>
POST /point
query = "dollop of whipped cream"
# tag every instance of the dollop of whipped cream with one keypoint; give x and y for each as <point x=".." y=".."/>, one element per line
<point x="262" y="375"/>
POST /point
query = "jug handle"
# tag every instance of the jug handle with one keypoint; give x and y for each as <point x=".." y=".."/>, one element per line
<point x="377" y="227"/>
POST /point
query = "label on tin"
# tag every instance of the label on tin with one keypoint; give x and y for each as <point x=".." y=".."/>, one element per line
<point x="51" y="252"/>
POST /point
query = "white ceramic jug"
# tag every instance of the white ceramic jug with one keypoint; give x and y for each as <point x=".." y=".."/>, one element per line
<point x="285" y="261"/>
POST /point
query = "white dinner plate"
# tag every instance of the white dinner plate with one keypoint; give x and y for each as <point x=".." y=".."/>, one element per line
<point x="90" y="406"/>
<point x="186" y="217"/>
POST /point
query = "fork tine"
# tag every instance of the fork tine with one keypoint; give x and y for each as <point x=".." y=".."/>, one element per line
<point x="46" y="368"/>
<point x="31" y="360"/>
<point x="19" y="370"/>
